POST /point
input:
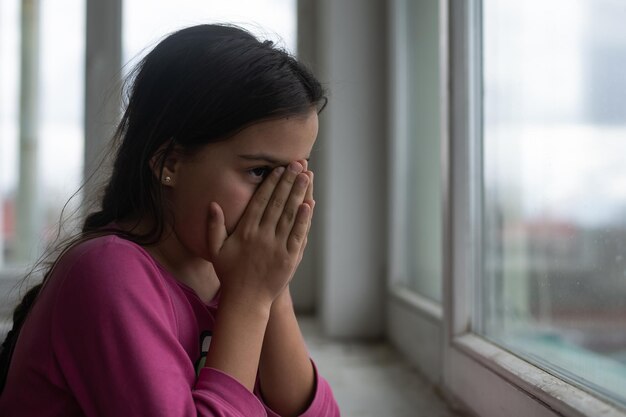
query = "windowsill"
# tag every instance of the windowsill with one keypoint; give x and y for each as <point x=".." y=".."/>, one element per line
<point x="418" y="303"/>
<point x="553" y="392"/>
<point x="370" y="378"/>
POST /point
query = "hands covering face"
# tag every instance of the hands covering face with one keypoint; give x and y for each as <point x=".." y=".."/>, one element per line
<point x="260" y="257"/>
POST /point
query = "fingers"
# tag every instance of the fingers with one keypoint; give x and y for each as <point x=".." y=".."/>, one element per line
<point x="307" y="229"/>
<point x="290" y="211"/>
<point x="309" y="192"/>
<point x="298" y="234"/>
<point x="277" y="203"/>
<point x="311" y="202"/>
<point x="216" y="229"/>
<point x="259" y="201"/>
<point x="282" y="195"/>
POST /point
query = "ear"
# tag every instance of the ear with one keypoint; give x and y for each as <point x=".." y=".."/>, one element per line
<point x="164" y="163"/>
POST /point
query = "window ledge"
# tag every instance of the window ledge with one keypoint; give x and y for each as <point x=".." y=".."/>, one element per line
<point x="420" y="304"/>
<point x="556" y="394"/>
<point x="370" y="378"/>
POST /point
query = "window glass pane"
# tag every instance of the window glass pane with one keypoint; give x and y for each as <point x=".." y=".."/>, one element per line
<point x="423" y="193"/>
<point x="49" y="145"/>
<point x="554" y="186"/>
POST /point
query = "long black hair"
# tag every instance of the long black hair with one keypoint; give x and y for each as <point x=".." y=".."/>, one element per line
<point x="199" y="85"/>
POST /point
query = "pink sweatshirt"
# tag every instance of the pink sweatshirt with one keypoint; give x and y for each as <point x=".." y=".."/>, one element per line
<point x="114" y="334"/>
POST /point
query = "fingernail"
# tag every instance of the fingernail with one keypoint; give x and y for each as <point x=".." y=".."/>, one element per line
<point x="302" y="180"/>
<point x="279" y="171"/>
<point x="295" y="167"/>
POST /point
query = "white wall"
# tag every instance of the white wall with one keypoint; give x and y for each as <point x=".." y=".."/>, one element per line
<point x="349" y="233"/>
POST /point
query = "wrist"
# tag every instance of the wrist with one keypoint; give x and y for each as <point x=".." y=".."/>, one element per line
<point x="283" y="302"/>
<point x="248" y="304"/>
<point x="238" y="336"/>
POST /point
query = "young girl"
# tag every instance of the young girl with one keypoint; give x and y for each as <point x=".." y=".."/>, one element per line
<point x="174" y="300"/>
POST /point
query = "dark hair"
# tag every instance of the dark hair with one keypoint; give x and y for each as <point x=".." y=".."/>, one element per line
<point x="199" y="85"/>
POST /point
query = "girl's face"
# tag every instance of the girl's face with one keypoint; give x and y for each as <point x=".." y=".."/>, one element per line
<point x="229" y="172"/>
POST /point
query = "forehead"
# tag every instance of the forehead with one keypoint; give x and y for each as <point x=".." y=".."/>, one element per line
<point x="286" y="139"/>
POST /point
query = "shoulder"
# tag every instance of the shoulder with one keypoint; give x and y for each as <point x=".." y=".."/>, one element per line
<point x="105" y="246"/>
<point x="108" y="293"/>
<point x="105" y="265"/>
<point x="107" y="253"/>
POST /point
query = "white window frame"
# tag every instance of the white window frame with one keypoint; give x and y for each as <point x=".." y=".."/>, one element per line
<point x="481" y="375"/>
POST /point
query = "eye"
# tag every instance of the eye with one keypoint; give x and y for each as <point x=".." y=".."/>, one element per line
<point x="259" y="174"/>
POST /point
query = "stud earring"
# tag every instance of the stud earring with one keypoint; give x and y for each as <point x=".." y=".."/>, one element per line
<point x="168" y="179"/>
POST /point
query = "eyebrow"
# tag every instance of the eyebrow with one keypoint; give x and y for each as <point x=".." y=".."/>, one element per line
<point x="266" y="158"/>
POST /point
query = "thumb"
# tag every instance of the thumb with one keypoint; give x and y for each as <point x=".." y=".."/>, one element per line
<point x="216" y="230"/>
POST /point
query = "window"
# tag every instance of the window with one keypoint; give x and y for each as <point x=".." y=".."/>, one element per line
<point x="536" y="296"/>
<point x="553" y="281"/>
<point x="40" y="162"/>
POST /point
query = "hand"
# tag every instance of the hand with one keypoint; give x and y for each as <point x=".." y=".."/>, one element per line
<point x="257" y="261"/>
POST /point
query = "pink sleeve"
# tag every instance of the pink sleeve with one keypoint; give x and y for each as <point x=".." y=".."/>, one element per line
<point x="114" y="336"/>
<point x="322" y="405"/>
